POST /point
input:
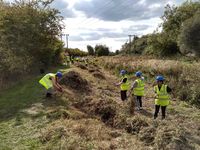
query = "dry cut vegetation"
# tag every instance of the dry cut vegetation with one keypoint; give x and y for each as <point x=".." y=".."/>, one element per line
<point x="89" y="115"/>
<point x="182" y="76"/>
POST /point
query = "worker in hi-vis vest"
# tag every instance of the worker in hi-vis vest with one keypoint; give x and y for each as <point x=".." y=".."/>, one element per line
<point x="124" y="85"/>
<point x="137" y="90"/>
<point x="162" y="97"/>
<point x="50" y="82"/>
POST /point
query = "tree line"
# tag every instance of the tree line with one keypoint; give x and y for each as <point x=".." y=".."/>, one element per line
<point x="75" y="52"/>
<point x="100" y="50"/>
<point x="180" y="33"/>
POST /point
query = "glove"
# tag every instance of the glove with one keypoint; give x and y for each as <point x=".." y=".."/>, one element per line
<point x="60" y="90"/>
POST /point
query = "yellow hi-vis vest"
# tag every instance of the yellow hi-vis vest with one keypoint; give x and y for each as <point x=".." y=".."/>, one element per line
<point x="125" y="86"/>
<point x="46" y="82"/>
<point x="162" y="95"/>
<point x="139" y="90"/>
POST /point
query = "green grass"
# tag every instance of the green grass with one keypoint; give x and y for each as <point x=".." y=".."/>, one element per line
<point x="20" y="96"/>
<point x="18" y="129"/>
<point x="23" y="136"/>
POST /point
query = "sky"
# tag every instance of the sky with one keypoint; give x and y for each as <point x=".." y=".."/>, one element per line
<point x="109" y="22"/>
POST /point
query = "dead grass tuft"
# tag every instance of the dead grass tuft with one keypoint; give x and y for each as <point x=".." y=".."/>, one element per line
<point x="84" y="103"/>
<point x="82" y="66"/>
<point x="147" y="135"/>
<point x="135" y="125"/>
<point x="58" y="114"/>
<point x="74" y="81"/>
<point x="93" y="68"/>
<point x="171" y="138"/>
<point x="53" y="133"/>
<point x="106" y="110"/>
<point x="99" y="75"/>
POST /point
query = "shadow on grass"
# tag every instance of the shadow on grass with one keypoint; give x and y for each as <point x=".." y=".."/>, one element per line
<point x="146" y="113"/>
<point x="22" y="96"/>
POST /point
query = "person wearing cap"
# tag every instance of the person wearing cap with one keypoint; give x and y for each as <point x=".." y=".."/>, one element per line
<point x="50" y="82"/>
<point x="162" y="96"/>
<point x="137" y="90"/>
<point x="124" y="85"/>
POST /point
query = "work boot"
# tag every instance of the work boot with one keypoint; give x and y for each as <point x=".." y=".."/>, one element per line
<point x="155" y="116"/>
<point x="163" y="117"/>
<point x="48" y="95"/>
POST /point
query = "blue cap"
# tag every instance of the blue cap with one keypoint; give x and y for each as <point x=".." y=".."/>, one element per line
<point x="59" y="74"/>
<point x="160" y="78"/>
<point x="138" y="74"/>
<point x="122" y="72"/>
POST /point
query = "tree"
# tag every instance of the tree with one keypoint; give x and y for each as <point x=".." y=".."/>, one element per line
<point x="101" y="50"/>
<point x="117" y="52"/>
<point x="174" y="17"/>
<point x="29" y="33"/>
<point x="90" y="50"/>
<point x="161" y="44"/>
<point x="189" y="40"/>
<point x="137" y="46"/>
<point x="166" y="42"/>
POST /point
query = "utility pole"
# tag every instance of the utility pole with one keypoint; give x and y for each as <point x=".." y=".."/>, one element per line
<point x="67" y="35"/>
<point x="66" y="38"/>
<point x="130" y="35"/>
<point x="61" y="37"/>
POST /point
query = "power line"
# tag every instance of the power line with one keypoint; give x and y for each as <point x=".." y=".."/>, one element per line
<point x="97" y="12"/>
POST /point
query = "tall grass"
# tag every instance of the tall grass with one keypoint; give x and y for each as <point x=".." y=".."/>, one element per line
<point x="182" y="76"/>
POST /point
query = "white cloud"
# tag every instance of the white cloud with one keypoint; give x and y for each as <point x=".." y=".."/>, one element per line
<point x="97" y="21"/>
<point x="91" y="22"/>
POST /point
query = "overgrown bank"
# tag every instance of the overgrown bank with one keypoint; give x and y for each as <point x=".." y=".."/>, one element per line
<point x="90" y="115"/>
<point x="182" y="76"/>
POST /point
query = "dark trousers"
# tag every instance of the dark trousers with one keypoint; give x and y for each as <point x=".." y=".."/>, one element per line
<point x="123" y="95"/>
<point x="163" y="109"/>
<point x="139" y="101"/>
